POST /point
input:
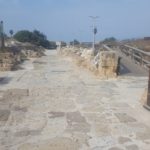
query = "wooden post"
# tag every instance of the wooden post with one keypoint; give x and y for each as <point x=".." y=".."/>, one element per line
<point x="147" y="105"/>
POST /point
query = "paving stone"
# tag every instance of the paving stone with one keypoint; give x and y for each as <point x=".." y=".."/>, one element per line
<point x="115" y="148"/>
<point x="56" y="114"/>
<point x="123" y="140"/>
<point x="18" y="108"/>
<point x="27" y="133"/>
<point x="75" y="117"/>
<point x="53" y="144"/>
<point x="4" y="115"/>
<point x="96" y="118"/>
<point x="93" y="108"/>
<point x="143" y="135"/>
<point x="18" y="92"/>
<point x="132" y="147"/>
<point x="103" y="142"/>
<point x="123" y="117"/>
<point x="102" y="130"/>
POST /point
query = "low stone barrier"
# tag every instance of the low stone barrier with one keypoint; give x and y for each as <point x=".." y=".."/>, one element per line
<point x="8" y="61"/>
<point x="104" y="64"/>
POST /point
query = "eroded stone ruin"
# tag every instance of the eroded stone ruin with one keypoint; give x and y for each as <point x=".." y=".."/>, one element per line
<point x="8" y="60"/>
<point x="103" y="64"/>
<point x="16" y="52"/>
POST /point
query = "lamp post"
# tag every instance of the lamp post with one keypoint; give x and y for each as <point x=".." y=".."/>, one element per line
<point x="2" y="35"/>
<point x="94" y="30"/>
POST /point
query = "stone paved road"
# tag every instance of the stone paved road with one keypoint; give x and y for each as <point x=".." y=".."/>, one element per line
<point x="53" y="105"/>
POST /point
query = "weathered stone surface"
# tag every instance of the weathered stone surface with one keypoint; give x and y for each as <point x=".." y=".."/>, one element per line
<point x="104" y="64"/>
<point x="143" y="135"/>
<point x="8" y="61"/>
<point x="115" y="148"/>
<point x="55" y="105"/>
<point x="56" y="114"/>
<point x="132" y="147"/>
<point x="123" y="140"/>
<point x="75" y="117"/>
<point x="102" y="130"/>
<point x="107" y="65"/>
<point x="143" y="99"/>
<point x="77" y="123"/>
<point x="53" y="144"/>
<point x="27" y="133"/>
<point x="124" y="117"/>
<point x="4" y="115"/>
<point x="20" y="109"/>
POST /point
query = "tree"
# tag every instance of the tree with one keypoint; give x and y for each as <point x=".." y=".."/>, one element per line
<point x="23" y="36"/>
<point x="111" y="39"/>
<point x="11" y="32"/>
<point x="35" y="37"/>
<point x="53" y="45"/>
<point x="74" y="42"/>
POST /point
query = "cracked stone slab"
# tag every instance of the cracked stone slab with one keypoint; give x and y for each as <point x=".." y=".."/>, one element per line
<point x="115" y="148"/>
<point x="102" y="130"/>
<point x="4" y="115"/>
<point x="77" y="122"/>
<point x="56" y="114"/>
<point x="123" y="117"/>
<point x="53" y="144"/>
<point x="132" y="147"/>
<point x="75" y="117"/>
<point x="27" y="133"/>
<point x="123" y="140"/>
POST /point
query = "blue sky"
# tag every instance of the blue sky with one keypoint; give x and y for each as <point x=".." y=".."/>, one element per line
<point x="69" y="19"/>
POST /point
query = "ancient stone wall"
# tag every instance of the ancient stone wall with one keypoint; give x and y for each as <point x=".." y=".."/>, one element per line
<point x="8" y="60"/>
<point x="104" y="64"/>
<point x="30" y="53"/>
<point x="107" y="64"/>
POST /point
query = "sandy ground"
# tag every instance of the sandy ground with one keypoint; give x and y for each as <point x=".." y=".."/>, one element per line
<point x="53" y="105"/>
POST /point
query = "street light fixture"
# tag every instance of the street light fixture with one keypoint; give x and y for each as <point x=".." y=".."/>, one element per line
<point x="94" y="30"/>
<point x="2" y="35"/>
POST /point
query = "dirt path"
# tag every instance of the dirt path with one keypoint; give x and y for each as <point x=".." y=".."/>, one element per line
<point x="52" y="105"/>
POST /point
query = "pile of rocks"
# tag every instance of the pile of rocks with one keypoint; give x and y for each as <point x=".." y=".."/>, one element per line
<point x="103" y="64"/>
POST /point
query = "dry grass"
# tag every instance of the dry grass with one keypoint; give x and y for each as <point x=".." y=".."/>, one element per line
<point x="141" y="44"/>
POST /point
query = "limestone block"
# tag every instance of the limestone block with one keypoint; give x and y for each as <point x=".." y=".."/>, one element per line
<point x="107" y="65"/>
<point x="108" y="59"/>
<point x="103" y="64"/>
<point x="87" y="54"/>
<point x="7" y="61"/>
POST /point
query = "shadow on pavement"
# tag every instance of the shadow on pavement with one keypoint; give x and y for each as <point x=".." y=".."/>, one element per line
<point x="4" y="80"/>
<point x="124" y="70"/>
